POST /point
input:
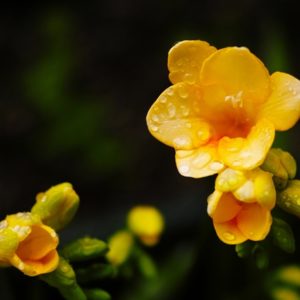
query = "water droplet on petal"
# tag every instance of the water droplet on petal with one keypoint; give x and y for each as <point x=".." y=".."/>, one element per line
<point x="184" y="169"/>
<point x="163" y="99"/>
<point x="188" y="125"/>
<point x="180" y="62"/>
<point x="171" y="110"/>
<point x="229" y="236"/>
<point x="182" y="141"/>
<point x="183" y="92"/>
<point x="170" y="91"/>
<point x="203" y="135"/>
<point x="201" y="160"/>
<point x="185" y="110"/>
<point x="155" y="118"/>
<point x="154" y="128"/>
<point x="189" y="77"/>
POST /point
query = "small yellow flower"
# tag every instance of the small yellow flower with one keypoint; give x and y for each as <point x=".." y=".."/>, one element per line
<point x="147" y="223"/>
<point x="223" y="108"/>
<point x="27" y="244"/>
<point x="241" y="204"/>
<point x="120" y="245"/>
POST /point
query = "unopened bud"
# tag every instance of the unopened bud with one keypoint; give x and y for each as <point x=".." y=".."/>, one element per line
<point x="289" y="198"/>
<point x="57" y="206"/>
<point x="282" y="165"/>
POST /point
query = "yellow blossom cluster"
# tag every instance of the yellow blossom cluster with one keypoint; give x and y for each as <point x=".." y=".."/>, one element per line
<point x="220" y="115"/>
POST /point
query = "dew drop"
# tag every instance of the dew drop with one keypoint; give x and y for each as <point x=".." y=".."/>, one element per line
<point x="179" y="62"/>
<point x="163" y="99"/>
<point x="171" y="110"/>
<point x="182" y="141"/>
<point x="155" y="118"/>
<point x="229" y="236"/>
<point x="184" y="169"/>
<point x="188" y="125"/>
<point x="183" y="93"/>
<point x="203" y="135"/>
<point x="170" y="92"/>
<point x="189" y="77"/>
<point x="201" y="160"/>
<point x="154" y="128"/>
<point x="185" y="110"/>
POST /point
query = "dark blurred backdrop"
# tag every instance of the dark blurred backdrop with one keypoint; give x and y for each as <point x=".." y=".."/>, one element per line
<point x="76" y="83"/>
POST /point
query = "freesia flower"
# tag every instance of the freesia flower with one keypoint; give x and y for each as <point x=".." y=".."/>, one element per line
<point x="27" y="244"/>
<point x="241" y="205"/>
<point x="147" y="223"/>
<point x="222" y="109"/>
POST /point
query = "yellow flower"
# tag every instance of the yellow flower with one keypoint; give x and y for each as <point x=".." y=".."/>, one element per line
<point x="120" y="245"/>
<point x="27" y="244"/>
<point x="240" y="205"/>
<point x="222" y="109"/>
<point x="147" y="223"/>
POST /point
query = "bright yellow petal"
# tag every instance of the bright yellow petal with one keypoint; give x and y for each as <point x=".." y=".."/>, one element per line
<point x="229" y="233"/>
<point x="254" y="221"/>
<point x="198" y="163"/>
<point x="245" y="192"/>
<point x="264" y="189"/>
<point x="226" y="209"/>
<point x="229" y="180"/>
<point x="239" y="72"/>
<point x="185" y="60"/>
<point x="283" y="105"/>
<point x="173" y="119"/>
<point x="248" y="153"/>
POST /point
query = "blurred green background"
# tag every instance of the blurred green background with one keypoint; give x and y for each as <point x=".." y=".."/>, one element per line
<point x="77" y="81"/>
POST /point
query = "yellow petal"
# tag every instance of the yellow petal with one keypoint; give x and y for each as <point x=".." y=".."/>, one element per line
<point x="283" y="105"/>
<point x="229" y="180"/>
<point x="198" y="163"/>
<point x="245" y="192"/>
<point x="185" y="60"/>
<point x="248" y="153"/>
<point x="173" y="119"/>
<point x="239" y="72"/>
<point x="229" y="233"/>
<point x="226" y="209"/>
<point x="254" y="221"/>
<point x="264" y="189"/>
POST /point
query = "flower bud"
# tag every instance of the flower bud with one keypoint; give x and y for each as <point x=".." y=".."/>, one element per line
<point x="57" y="206"/>
<point x="84" y="249"/>
<point x="120" y="246"/>
<point x="289" y="198"/>
<point x="147" y="223"/>
<point x="282" y="165"/>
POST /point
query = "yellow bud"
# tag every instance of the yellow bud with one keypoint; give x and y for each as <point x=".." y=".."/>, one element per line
<point x="57" y="206"/>
<point x="289" y="198"/>
<point x="282" y="165"/>
<point x="147" y="223"/>
<point x="120" y="245"/>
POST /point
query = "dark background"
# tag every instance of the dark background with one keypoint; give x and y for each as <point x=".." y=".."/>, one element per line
<point x="76" y="83"/>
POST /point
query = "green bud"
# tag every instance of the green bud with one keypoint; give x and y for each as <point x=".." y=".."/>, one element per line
<point x="96" y="272"/>
<point x="145" y="263"/>
<point x="64" y="279"/>
<point x="57" y="206"/>
<point x="261" y="256"/>
<point x="282" y="235"/>
<point x="245" y="249"/>
<point x="97" y="294"/>
<point x="289" y="198"/>
<point x="282" y="165"/>
<point x="84" y="249"/>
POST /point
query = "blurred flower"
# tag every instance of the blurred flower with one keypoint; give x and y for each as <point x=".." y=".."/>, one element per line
<point x="147" y="223"/>
<point x="240" y="205"/>
<point x="27" y="244"/>
<point x="57" y="206"/>
<point x="223" y="108"/>
<point x="120" y="245"/>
